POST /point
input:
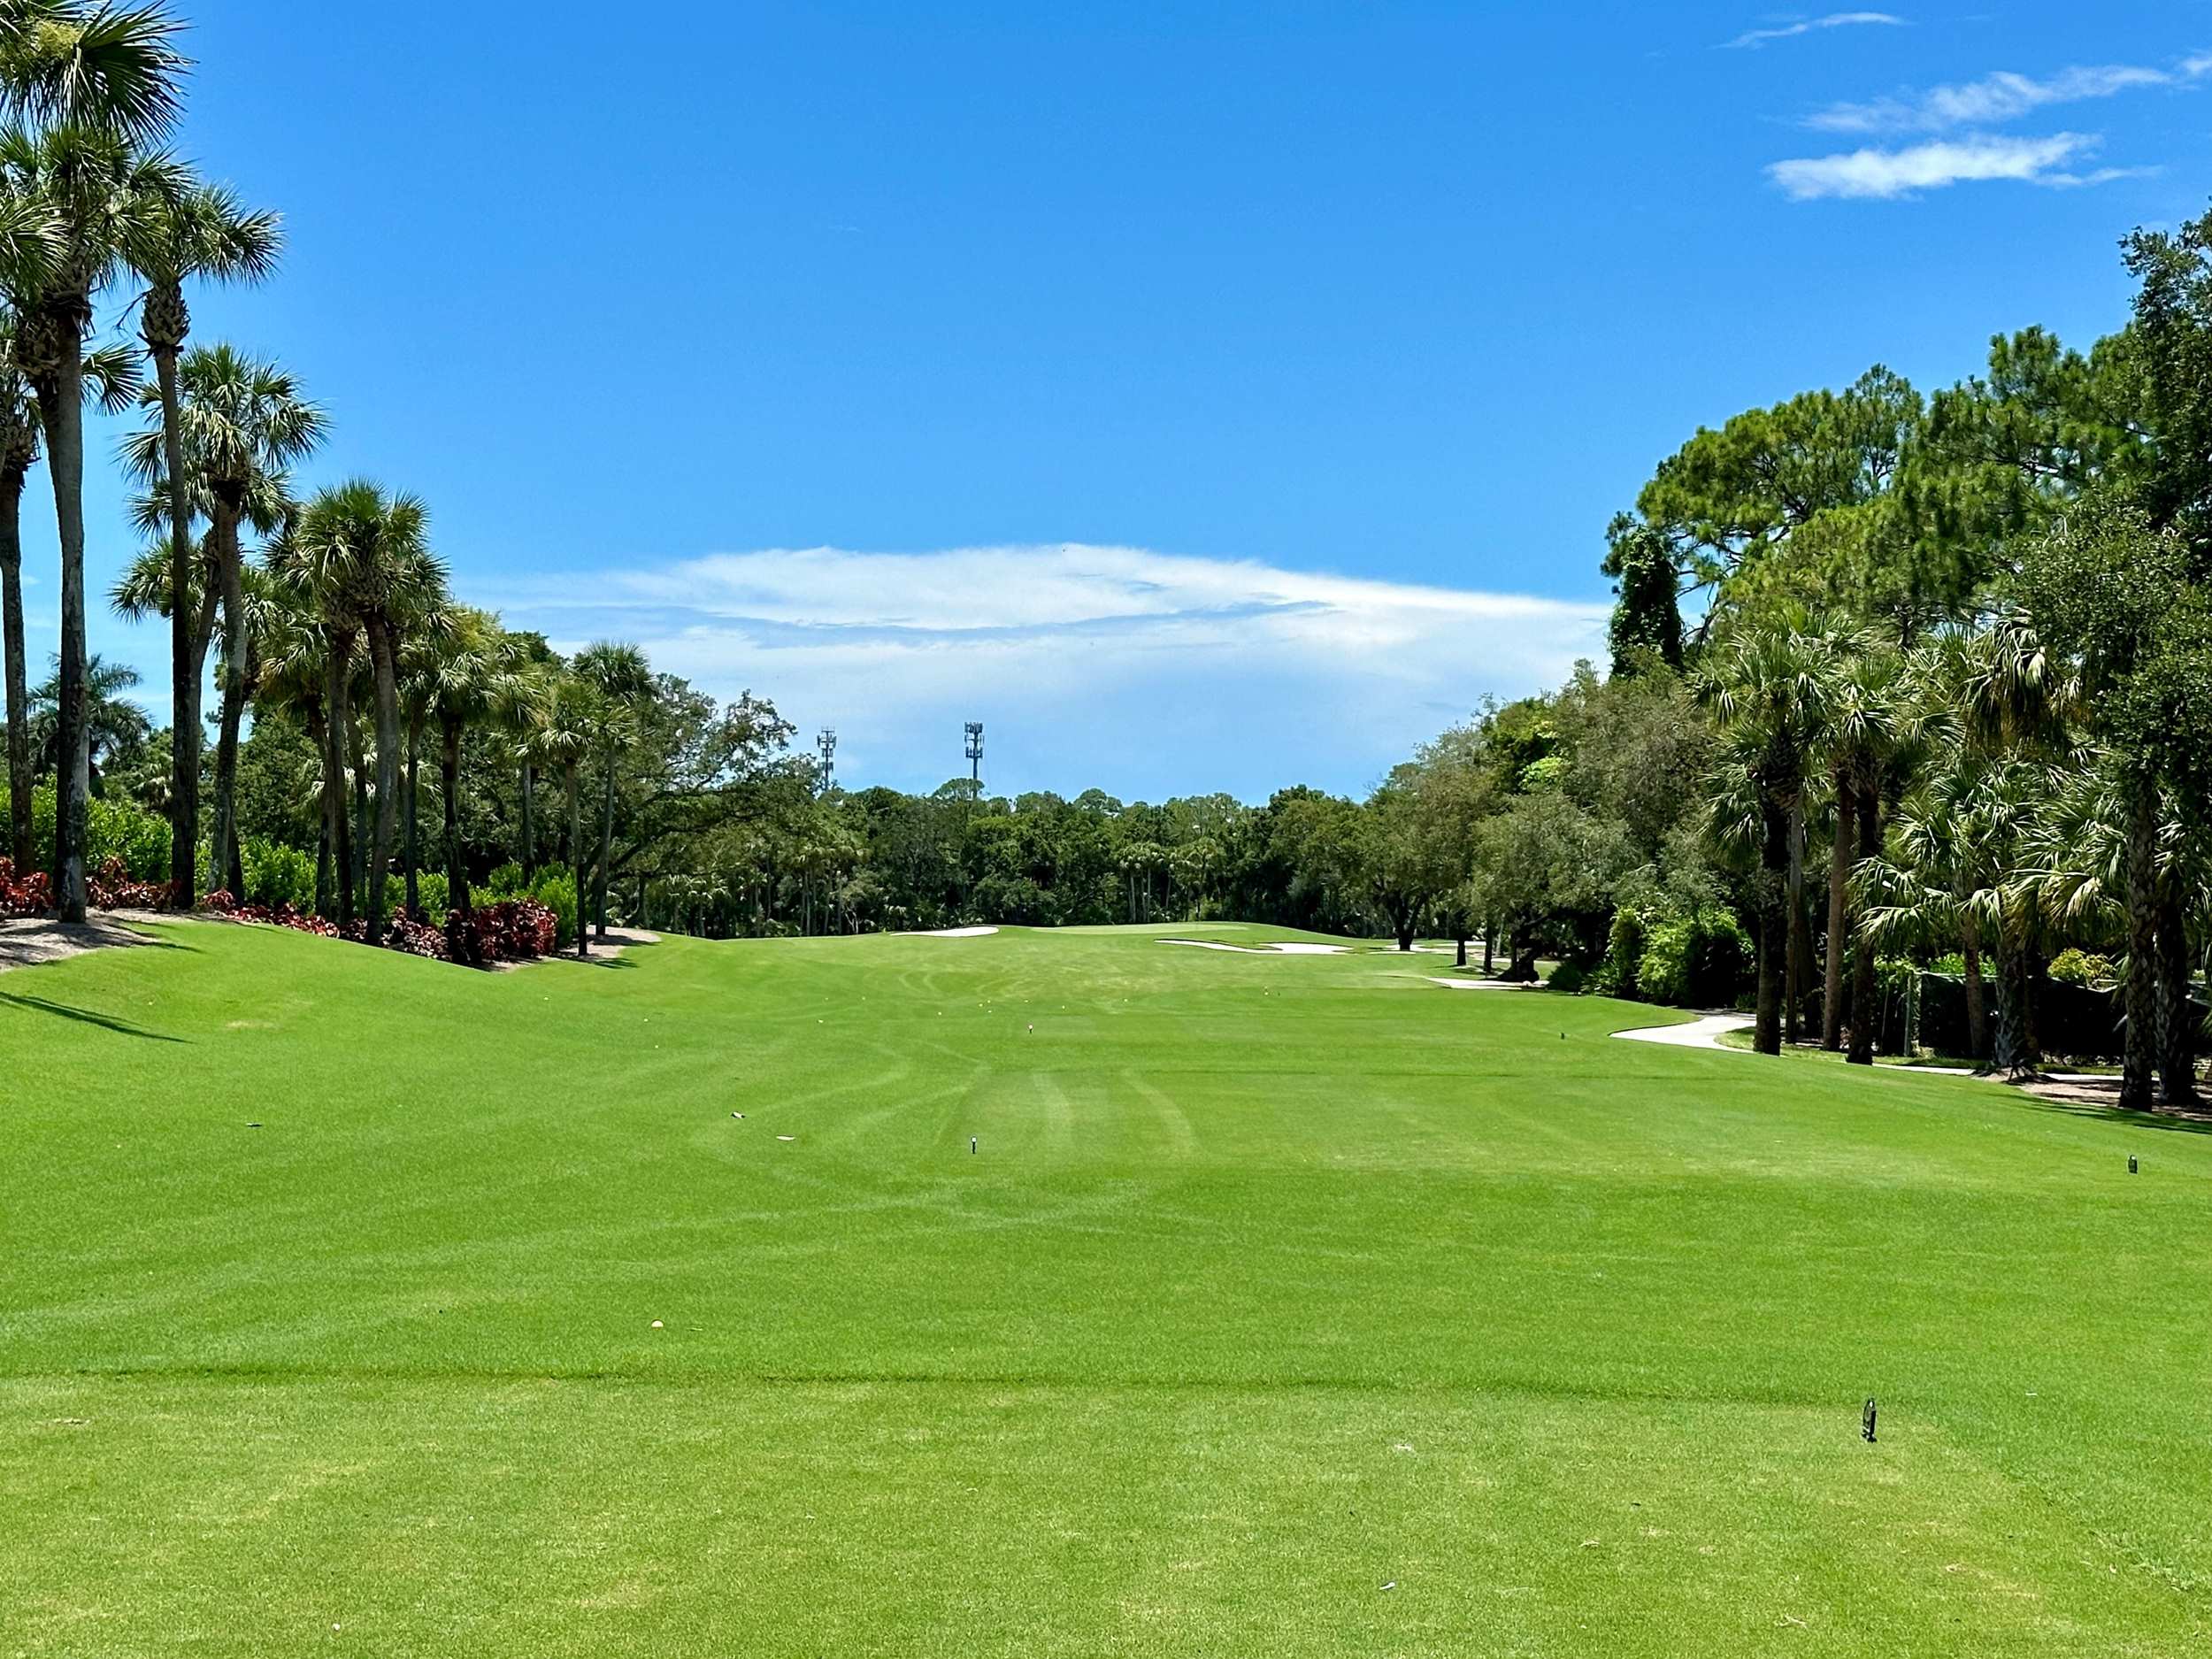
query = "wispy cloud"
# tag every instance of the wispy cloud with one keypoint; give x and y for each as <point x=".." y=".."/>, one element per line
<point x="1753" y="39"/>
<point x="1998" y="97"/>
<point x="1882" y="174"/>
<point x="1145" y="673"/>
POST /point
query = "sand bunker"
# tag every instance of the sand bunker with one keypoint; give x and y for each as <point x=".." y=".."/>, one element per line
<point x="1287" y="949"/>
<point x="1485" y="985"/>
<point x="958" y="932"/>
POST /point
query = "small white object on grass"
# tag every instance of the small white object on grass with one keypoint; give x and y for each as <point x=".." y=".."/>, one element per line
<point x="787" y="1137"/>
<point x="1391" y="1585"/>
<point x="657" y="1324"/>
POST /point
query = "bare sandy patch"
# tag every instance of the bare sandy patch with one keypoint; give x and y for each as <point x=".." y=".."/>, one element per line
<point x="27" y="941"/>
<point x="1291" y="949"/>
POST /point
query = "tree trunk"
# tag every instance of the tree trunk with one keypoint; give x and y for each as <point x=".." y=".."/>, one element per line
<point x="457" y="870"/>
<point x="1838" y="918"/>
<point x="1800" y="957"/>
<point x="335" y="756"/>
<point x="184" y="669"/>
<point x="1461" y="941"/>
<point x="1976" y="1013"/>
<point x="576" y="858"/>
<point x="606" y="846"/>
<point x="529" y="836"/>
<point x="230" y="577"/>
<point x="2140" y="1061"/>
<point x="1774" y="923"/>
<point x="2008" y="1056"/>
<point x="1489" y="960"/>
<point x="21" y="781"/>
<point x="413" y="853"/>
<point x="1865" y="1005"/>
<point x="2177" y="1019"/>
<point x="60" y="390"/>
<point x="385" y="668"/>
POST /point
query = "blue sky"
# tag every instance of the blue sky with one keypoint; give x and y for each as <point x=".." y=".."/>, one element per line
<point x="1206" y="397"/>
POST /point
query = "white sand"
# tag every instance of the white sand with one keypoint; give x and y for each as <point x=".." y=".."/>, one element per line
<point x="956" y="932"/>
<point x="1263" y="950"/>
<point x="1485" y="985"/>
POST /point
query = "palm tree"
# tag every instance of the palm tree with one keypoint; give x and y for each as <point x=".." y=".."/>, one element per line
<point x="559" y="741"/>
<point x="623" y="680"/>
<point x="365" y="559"/>
<point x="111" y="375"/>
<point x="113" y="725"/>
<point x="473" y="671"/>
<point x="94" y="81"/>
<point x="1771" y="683"/>
<point x="1864" y="729"/>
<point x="201" y="232"/>
<point x="235" y="423"/>
<point x="291" y="647"/>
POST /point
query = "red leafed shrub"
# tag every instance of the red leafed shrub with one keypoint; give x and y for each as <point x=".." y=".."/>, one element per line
<point x="514" y="930"/>
<point x="222" y="903"/>
<point x="112" y="888"/>
<point x="31" y="894"/>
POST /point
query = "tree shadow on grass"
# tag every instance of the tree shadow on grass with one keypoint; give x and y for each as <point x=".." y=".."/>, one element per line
<point x="86" y="1015"/>
<point x="2099" y="1102"/>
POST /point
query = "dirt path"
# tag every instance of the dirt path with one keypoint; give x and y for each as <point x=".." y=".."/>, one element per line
<point x="27" y="941"/>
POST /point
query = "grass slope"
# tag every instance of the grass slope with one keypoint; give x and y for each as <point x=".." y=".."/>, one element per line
<point x="1274" y="1281"/>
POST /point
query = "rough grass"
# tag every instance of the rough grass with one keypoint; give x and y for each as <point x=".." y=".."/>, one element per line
<point x="1273" y="1281"/>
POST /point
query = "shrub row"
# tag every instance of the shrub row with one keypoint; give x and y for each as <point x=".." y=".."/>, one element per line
<point x="507" y="930"/>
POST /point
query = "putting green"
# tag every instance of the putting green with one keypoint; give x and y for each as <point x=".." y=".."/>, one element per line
<point x="1288" y="1304"/>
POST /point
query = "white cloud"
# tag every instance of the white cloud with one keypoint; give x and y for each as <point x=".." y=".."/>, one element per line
<point x="1147" y="673"/>
<point x="1754" y="39"/>
<point x="1997" y="98"/>
<point x="1882" y="174"/>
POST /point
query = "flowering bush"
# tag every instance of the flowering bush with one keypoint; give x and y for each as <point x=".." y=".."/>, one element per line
<point x="29" y="894"/>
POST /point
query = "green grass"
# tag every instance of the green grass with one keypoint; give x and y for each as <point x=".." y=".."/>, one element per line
<point x="1273" y="1281"/>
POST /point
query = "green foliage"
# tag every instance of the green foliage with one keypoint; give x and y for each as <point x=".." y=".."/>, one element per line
<point x="430" y="893"/>
<point x="1570" y="978"/>
<point x="277" y="874"/>
<point x="1624" y="948"/>
<point x="2077" y="966"/>
<point x="1700" y="961"/>
<point x="114" y="828"/>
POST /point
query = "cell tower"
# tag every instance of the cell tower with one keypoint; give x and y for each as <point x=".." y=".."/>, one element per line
<point x="974" y="751"/>
<point x="825" y="746"/>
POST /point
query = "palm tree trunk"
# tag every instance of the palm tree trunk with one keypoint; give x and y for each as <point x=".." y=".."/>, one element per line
<point x="1865" y="1008"/>
<point x="2177" y="1022"/>
<point x="1838" y="918"/>
<point x="1774" y="923"/>
<point x="576" y="857"/>
<point x="60" y="390"/>
<point x="606" y="846"/>
<point x="457" y="869"/>
<point x="1976" y="1013"/>
<point x="413" y="853"/>
<point x="230" y="577"/>
<point x="20" y="781"/>
<point x="184" y="669"/>
<point x="339" y="722"/>
<point x="529" y="836"/>
<point x="1801" y="943"/>
<point x="2009" y="1054"/>
<point x="2140" y="1060"/>
<point x="385" y="668"/>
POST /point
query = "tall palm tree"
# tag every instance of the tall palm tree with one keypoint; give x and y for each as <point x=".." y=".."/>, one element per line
<point x="365" y="556"/>
<point x="1864" y="730"/>
<point x="111" y="375"/>
<point x="624" y="681"/>
<point x="201" y="232"/>
<point x="474" y="671"/>
<point x="89" y="85"/>
<point x="235" y="423"/>
<point x="291" y="647"/>
<point x="559" y="742"/>
<point x="1770" y="681"/>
